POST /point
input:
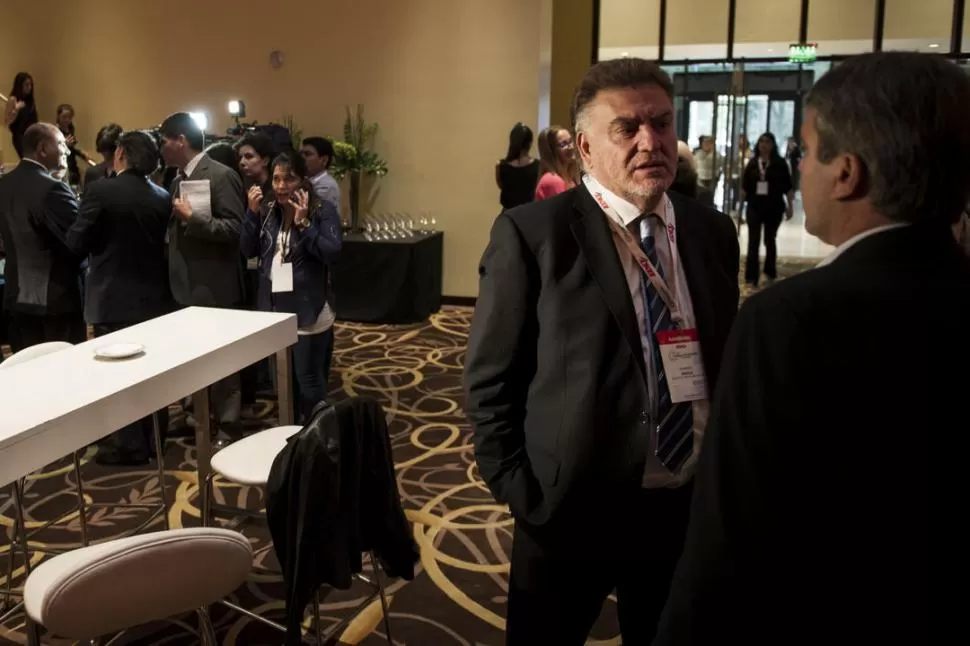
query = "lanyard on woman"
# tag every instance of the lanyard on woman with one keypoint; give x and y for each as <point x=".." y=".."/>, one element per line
<point x="632" y="245"/>
<point x="762" y="168"/>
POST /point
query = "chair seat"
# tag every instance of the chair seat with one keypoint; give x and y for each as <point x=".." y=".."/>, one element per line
<point x="250" y="460"/>
<point x="111" y="586"/>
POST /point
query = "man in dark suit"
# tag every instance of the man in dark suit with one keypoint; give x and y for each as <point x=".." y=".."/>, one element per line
<point x="43" y="290"/>
<point x="122" y="224"/>
<point x="844" y="387"/>
<point x="203" y="245"/>
<point x="577" y="427"/>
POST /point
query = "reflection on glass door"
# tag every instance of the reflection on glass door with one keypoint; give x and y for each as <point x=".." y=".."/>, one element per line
<point x="781" y="121"/>
<point x="757" y="121"/>
<point x="700" y="122"/>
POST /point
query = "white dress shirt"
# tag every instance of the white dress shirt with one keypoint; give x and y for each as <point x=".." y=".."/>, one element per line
<point x="190" y="167"/>
<point x="856" y="239"/>
<point x="656" y="475"/>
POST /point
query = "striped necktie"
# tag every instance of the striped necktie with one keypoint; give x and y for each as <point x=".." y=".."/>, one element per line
<point x="675" y="437"/>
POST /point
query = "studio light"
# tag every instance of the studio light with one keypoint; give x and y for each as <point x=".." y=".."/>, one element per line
<point x="237" y="108"/>
<point x="200" y="119"/>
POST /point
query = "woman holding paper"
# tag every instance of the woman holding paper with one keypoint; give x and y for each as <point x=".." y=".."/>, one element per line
<point x="296" y="236"/>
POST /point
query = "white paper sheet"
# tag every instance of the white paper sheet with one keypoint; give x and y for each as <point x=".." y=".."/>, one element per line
<point x="197" y="194"/>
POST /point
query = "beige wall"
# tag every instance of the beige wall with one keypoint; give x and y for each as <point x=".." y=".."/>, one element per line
<point x="572" y="42"/>
<point x="633" y="23"/>
<point x="445" y="79"/>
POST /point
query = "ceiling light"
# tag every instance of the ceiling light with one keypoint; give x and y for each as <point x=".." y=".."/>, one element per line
<point x="934" y="45"/>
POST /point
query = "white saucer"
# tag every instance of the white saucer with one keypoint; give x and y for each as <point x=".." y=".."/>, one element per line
<point x="119" y="351"/>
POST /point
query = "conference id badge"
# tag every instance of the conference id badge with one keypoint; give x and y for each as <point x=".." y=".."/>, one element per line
<point x="680" y="351"/>
<point x="762" y="188"/>
<point x="281" y="275"/>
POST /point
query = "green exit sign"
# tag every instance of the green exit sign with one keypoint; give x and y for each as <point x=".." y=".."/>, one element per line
<point x="802" y="53"/>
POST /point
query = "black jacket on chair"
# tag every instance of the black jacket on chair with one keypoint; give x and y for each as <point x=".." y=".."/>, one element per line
<point x="332" y="495"/>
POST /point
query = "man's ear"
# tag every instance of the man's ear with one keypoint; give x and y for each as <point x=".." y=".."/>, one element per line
<point x="851" y="177"/>
<point x="582" y="145"/>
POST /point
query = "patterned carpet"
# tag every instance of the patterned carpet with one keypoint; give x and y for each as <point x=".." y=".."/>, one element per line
<point x="458" y="595"/>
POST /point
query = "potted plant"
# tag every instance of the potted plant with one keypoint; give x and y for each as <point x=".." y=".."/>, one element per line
<point x="353" y="158"/>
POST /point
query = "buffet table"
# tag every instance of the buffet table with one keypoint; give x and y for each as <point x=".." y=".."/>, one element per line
<point x="388" y="281"/>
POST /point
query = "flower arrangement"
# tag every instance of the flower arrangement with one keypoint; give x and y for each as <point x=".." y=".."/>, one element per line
<point x="353" y="158"/>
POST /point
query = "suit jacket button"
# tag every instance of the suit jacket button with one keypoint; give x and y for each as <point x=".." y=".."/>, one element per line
<point x="644" y="418"/>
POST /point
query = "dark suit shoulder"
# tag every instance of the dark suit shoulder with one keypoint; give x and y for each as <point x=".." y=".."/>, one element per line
<point x="537" y="221"/>
<point x="702" y="215"/>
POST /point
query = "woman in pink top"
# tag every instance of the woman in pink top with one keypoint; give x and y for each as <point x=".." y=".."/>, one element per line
<point x="557" y="162"/>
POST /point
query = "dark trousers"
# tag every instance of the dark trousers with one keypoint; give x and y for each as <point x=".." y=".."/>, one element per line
<point x="769" y="222"/>
<point x="25" y="330"/>
<point x="137" y="439"/>
<point x="557" y="586"/>
<point x="312" y="355"/>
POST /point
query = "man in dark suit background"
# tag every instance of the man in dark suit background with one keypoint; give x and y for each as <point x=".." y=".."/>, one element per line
<point x="576" y="426"/>
<point x="203" y="248"/>
<point x="844" y="388"/>
<point x="43" y="290"/>
<point x="122" y="224"/>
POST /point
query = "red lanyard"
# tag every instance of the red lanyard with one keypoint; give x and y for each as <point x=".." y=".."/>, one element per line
<point x="632" y="245"/>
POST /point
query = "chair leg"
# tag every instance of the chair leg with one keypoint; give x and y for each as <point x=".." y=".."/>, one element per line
<point x="82" y="507"/>
<point x="380" y="590"/>
<point x="14" y="498"/>
<point x="317" y="624"/>
<point x="207" y="632"/>
<point x="205" y="493"/>
<point x="160" y="460"/>
<point x="20" y="534"/>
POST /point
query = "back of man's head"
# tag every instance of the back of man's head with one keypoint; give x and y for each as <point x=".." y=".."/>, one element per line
<point x="181" y="124"/>
<point x="107" y="139"/>
<point x="36" y="136"/>
<point x="140" y="152"/>
<point x="904" y="117"/>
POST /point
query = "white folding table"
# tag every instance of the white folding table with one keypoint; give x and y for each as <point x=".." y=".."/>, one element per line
<point x="61" y="402"/>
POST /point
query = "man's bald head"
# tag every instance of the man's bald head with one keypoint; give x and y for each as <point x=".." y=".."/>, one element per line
<point x="45" y="144"/>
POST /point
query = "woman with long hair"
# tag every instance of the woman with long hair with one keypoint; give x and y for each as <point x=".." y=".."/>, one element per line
<point x="765" y="186"/>
<point x="517" y="174"/>
<point x="296" y="236"/>
<point x="21" y="111"/>
<point x="558" y="166"/>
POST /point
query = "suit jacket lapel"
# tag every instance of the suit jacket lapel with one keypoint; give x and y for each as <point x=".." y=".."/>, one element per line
<point x="596" y="242"/>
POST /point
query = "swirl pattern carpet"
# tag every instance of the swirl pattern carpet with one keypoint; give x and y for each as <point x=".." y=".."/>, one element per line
<point x="459" y="592"/>
<point x="458" y="595"/>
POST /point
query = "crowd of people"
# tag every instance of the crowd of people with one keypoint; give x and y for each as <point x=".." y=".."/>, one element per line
<point x="162" y="222"/>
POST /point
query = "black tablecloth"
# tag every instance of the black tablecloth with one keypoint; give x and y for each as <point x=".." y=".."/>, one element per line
<point x="388" y="281"/>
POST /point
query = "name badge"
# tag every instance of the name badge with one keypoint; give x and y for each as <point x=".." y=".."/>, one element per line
<point x="281" y="275"/>
<point x="762" y="188"/>
<point x="680" y="351"/>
